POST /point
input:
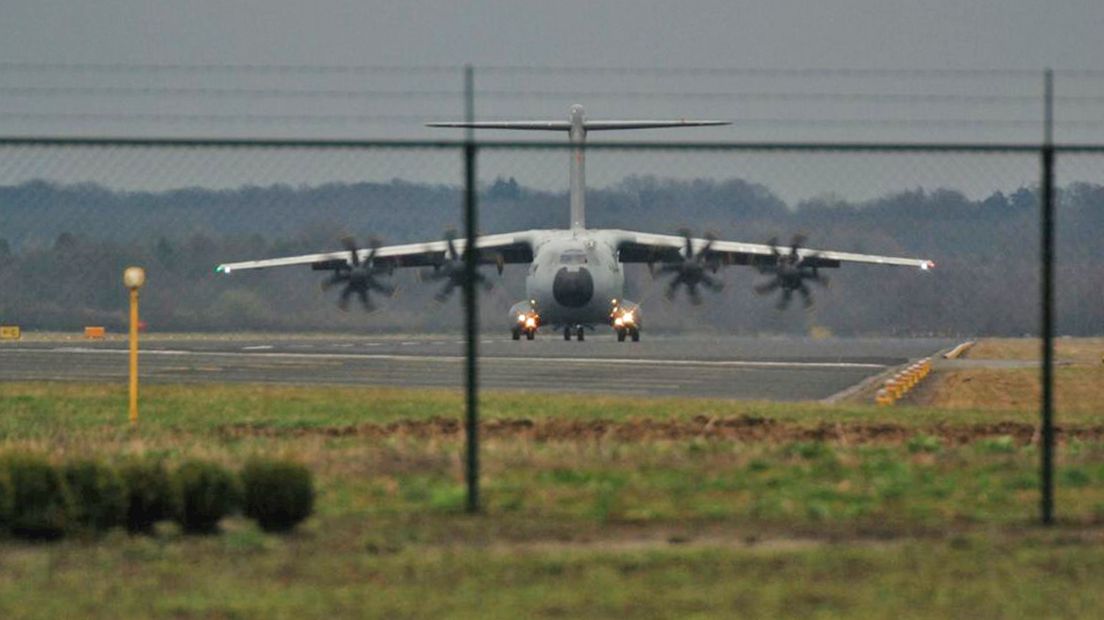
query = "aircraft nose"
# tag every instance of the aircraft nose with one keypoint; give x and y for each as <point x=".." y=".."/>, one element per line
<point x="573" y="289"/>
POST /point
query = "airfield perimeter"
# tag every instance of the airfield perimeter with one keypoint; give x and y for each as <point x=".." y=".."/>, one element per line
<point x="763" y="368"/>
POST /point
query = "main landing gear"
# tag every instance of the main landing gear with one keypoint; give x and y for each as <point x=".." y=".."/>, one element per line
<point x="624" y="332"/>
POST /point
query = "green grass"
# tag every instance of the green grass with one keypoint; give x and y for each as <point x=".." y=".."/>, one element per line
<point x="247" y="575"/>
<point x="934" y="520"/>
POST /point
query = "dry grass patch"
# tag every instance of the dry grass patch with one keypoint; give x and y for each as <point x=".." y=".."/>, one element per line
<point x="1074" y="350"/>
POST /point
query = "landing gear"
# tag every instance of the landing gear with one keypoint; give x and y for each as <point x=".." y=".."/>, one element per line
<point x="529" y="335"/>
<point x="633" y="333"/>
<point x="567" y="333"/>
<point x="580" y="333"/>
<point x="515" y="333"/>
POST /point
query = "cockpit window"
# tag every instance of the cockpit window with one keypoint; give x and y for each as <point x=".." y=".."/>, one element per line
<point x="573" y="258"/>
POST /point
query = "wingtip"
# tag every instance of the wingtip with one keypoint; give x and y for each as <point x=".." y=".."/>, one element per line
<point x="223" y="269"/>
<point x="927" y="265"/>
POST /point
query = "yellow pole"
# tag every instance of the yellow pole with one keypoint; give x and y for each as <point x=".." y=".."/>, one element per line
<point x="133" y="356"/>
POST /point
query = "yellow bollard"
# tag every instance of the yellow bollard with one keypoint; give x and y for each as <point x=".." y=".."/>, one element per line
<point x="883" y="398"/>
<point x="134" y="278"/>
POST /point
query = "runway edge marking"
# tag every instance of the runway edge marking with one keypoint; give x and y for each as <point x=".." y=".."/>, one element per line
<point x="459" y="358"/>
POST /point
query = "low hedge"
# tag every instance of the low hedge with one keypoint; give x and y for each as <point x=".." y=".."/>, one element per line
<point x="277" y="494"/>
<point x="42" y="500"/>
<point x="151" y="496"/>
<point x="41" y="507"/>
<point x="99" y="496"/>
<point x="208" y="492"/>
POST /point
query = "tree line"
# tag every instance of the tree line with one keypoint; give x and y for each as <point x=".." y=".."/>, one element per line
<point x="63" y="249"/>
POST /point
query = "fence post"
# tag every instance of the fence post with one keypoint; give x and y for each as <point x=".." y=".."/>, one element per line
<point x="1047" y="225"/>
<point x="471" y="319"/>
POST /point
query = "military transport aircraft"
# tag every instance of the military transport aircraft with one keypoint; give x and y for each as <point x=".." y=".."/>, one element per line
<point x="576" y="277"/>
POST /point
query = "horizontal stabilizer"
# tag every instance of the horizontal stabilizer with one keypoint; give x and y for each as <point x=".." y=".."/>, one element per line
<point x="601" y="125"/>
<point x="588" y="125"/>
<point x="538" y="125"/>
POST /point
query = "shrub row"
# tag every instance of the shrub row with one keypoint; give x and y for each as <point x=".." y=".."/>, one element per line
<point x="41" y="500"/>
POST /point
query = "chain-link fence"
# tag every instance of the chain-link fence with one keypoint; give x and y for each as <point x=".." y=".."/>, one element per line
<point x="74" y="212"/>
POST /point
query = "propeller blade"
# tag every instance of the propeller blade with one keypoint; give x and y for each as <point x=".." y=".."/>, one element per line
<point x="695" y="296"/>
<point x="334" y="280"/>
<point x="712" y="283"/>
<point x="450" y="240"/>
<point x="364" y="301"/>
<point x="445" y="292"/>
<point x="671" y="288"/>
<point x="784" y="303"/>
<point x="350" y="245"/>
<point x="689" y="248"/>
<point x="806" y="296"/>
<point x="343" y="301"/>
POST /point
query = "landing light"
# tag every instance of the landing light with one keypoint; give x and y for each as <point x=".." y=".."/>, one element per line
<point x="521" y="318"/>
<point x="530" y="322"/>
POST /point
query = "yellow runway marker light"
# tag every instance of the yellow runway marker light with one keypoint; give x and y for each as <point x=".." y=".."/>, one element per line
<point x="10" y="332"/>
<point x="133" y="279"/>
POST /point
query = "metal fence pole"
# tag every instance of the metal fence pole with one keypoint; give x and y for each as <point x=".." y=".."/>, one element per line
<point x="1047" y="224"/>
<point x="471" y="320"/>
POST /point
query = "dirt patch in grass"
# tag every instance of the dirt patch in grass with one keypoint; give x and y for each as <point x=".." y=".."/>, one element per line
<point x="738" y="428"/>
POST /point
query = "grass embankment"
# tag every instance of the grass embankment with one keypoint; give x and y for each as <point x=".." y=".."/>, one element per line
<point x="594" y="506"/>
<point x="991" y="380"/>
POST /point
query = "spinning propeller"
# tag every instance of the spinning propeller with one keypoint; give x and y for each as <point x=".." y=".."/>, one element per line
<point x="690" y="270"/>
<point x="359" y="277"/>
<point x="789" y="272"/>
<point x="454" y="272"/>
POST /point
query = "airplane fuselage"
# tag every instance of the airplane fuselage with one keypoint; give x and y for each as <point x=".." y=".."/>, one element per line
<point x="575" y="278"/>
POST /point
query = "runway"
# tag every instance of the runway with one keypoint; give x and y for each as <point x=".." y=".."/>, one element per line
<point x="766" y="368"/>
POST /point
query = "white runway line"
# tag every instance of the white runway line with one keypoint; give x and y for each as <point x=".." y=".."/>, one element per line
<point x="259" y="347"/>
<point x="602" y="361"/>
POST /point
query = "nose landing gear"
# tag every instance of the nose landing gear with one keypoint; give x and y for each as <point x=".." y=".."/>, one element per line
<point x="578" y="330"/>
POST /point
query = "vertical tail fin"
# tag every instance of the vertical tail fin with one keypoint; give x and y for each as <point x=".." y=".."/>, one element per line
<point x="577" y="128"/>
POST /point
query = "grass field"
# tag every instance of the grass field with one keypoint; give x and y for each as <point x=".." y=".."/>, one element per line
<point x="594" y="506"/>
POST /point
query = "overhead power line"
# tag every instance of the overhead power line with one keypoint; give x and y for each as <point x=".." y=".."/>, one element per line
<point x="414" y="118"/>
<point x="330" y="93"/>
<point x="260" y="68"/>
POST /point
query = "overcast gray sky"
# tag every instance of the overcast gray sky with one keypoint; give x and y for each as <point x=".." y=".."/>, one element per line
<point x="859" y="34"/>
<point x="780" y="33"/>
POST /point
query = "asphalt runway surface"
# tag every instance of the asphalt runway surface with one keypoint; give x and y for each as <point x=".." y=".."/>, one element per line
<point x="766" y="368"/>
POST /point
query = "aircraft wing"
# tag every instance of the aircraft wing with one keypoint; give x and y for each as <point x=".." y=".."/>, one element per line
<point x="639" y="247"/>
<point x="493" y="249"/>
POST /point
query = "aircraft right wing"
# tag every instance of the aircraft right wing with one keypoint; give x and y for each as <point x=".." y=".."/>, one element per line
<point x="498" y="249"/>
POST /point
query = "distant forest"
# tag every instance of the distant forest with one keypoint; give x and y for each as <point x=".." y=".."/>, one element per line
<point x="63" y="249"/>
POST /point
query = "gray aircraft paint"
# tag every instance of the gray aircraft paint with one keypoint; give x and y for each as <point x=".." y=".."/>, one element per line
<point x="576" y="276"/>
<point x="555" y="289"/>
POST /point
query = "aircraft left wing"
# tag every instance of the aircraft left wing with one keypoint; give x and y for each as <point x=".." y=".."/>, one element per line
<point x="493" y="249"/>
<point x="640" y="247"/>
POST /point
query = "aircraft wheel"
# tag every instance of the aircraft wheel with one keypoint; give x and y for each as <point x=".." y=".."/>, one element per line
<point x="530" y="334"/>
<point x="515" y="333"/>
<point x="636" y="335"/>
<point x="567" y="333"/>
<point x="580" y="333"/>
<point x="620" y="335"/>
